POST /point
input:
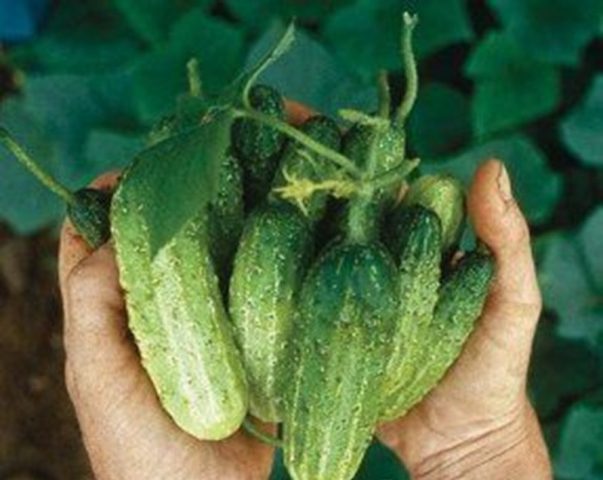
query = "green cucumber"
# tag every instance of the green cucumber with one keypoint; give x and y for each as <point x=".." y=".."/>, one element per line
<point x="268" y="270"/>
<point x="342" y="340"/>
<point x="226" y="217"/>
<point x="415" y="239"/>
<point x="299" y="162"/>
<point x="461" y="300"/>
<point x="445" y="196"/>
<point x="258" y="147"/>
<point x="176" y="315"/>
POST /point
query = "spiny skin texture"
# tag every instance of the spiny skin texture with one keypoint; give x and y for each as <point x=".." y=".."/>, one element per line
<point x="444" y="195"/>
<point x="299" y="162"/>
<point x="390" y="145"/>
<point x="342" y="340"/>
<point x="257" y="146"/>
<point x="461" y="299"/>
<point x="177" y="318"/>
<point x="415" y="240"/>
<point x="269" y="267"/>
<point x="90" y="215"/>
<point x="226" y="216"/>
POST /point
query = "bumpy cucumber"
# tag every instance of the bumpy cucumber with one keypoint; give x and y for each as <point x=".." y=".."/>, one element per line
<point x="258" y="146"/>
<point x="299" y="162"/>
<point x="415" y="239"/>
<point x="390" y="145"/>
<point x="89" y="214"/>
<point x="269" y="267"/>
<point x="460" y="303"/>
<point x="226" y="216"/>
<point x="342" y="340"/>
<point x="444" y="195"/>
<point x="179" y="323"/>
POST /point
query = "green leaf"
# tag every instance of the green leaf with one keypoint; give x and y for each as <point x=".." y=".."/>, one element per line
<point x="309" y="74"/>
<point x="579" y="454"/>
<point x="24" y="203"/>
<point x="151" y="19"/>
<point x="260" y="13"/>
<point x="440" y="123"/>
<point x="366" y="35"/>
<point x="160" y="76"/>
<point x="536" y="187"/>
<point x="80" y="37"/>
<point x="581" y="130"/>
<point x="570" y="285"/>
<point x="554" y="361"/>
<point x="510" y="87"/>
<point x="553" y="31"/>
<point x="108" y="150"/>
<point x="170" y="183"/>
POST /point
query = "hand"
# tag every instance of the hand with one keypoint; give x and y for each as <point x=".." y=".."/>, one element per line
<point x="126" y="432"/>
<point x="478" y="422"/>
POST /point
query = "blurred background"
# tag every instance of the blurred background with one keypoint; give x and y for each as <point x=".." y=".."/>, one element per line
<point x="81" y="81"/>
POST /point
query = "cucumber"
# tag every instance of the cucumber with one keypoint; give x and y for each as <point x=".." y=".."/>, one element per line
<point x="258" y="147"/>
<point x="226" y="217"/>
<point x="461" y="300"/>
<point x="342" y="340"/>
<point x="179" y="323"/>
<point x="415" y="239"/>
<point x="445" y="196"/>
<point x="299" y="162"/>
<point x="268" y="270"/>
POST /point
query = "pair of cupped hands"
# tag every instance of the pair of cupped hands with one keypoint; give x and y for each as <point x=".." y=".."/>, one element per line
<point x="477" y="423"/>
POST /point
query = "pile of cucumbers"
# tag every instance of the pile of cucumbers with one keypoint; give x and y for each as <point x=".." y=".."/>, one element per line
<point x="313" y="285"/>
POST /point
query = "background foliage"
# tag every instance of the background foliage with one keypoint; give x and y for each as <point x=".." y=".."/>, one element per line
<point x="82" y="81"/>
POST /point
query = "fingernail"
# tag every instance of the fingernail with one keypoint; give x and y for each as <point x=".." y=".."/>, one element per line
<point x="504" y="185"/>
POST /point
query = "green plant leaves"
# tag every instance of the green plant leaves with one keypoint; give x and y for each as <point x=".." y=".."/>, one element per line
<point x="511" y="88"/>
<point x="579" y="454"/>
<point x="366" y="35"/>
<point x="160" y="76"/>
<point x="309" y="74"/>
<point x="553" y="31"/>
<point x="440" y="123"/>
<point x="581" y="130"/>
<point x="536" y="187"/>
<point x="570" y="276"/>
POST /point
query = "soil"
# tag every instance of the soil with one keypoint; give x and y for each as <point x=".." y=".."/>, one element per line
<point x="39" y="437"/>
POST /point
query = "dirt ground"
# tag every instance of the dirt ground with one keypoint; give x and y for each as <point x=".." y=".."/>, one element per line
<point x="39" y="437"/>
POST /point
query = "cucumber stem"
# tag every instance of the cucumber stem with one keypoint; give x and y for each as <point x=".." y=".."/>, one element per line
<point x="261" y="436"/>
<point x="307" y="141"/>
<point x="195" y="87"/>
<point x="44" y="177"/>
<point x="385" y="98"/>
<point x="410" y="68"/>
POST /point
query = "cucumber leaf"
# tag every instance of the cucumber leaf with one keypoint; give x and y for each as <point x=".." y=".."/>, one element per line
<point x="570" y="275"/>
<point x="553" y="31"/>
<point x="511" y="88"/>
<point x="581" y="130"/>
<point x="170" y="183"/>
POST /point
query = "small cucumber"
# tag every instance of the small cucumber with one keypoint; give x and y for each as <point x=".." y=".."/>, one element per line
<point x="415" y="239"/>
<point x="269" y="267"/>
<point x="445" y="196"/>
<point x="258" y="147"/>
<point x="461" y="299"/>
<point x="342" y="340"/>
<point x="299" y="162"/>
<point x="226" y="217"/>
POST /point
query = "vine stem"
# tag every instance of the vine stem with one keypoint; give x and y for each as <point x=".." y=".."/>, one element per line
<point x="261" y="436"/>
<point x="410" y="67"/>
<point x="195" y="87"/>
<point x="44" y="177"/>
<point x="317" y="147"/>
